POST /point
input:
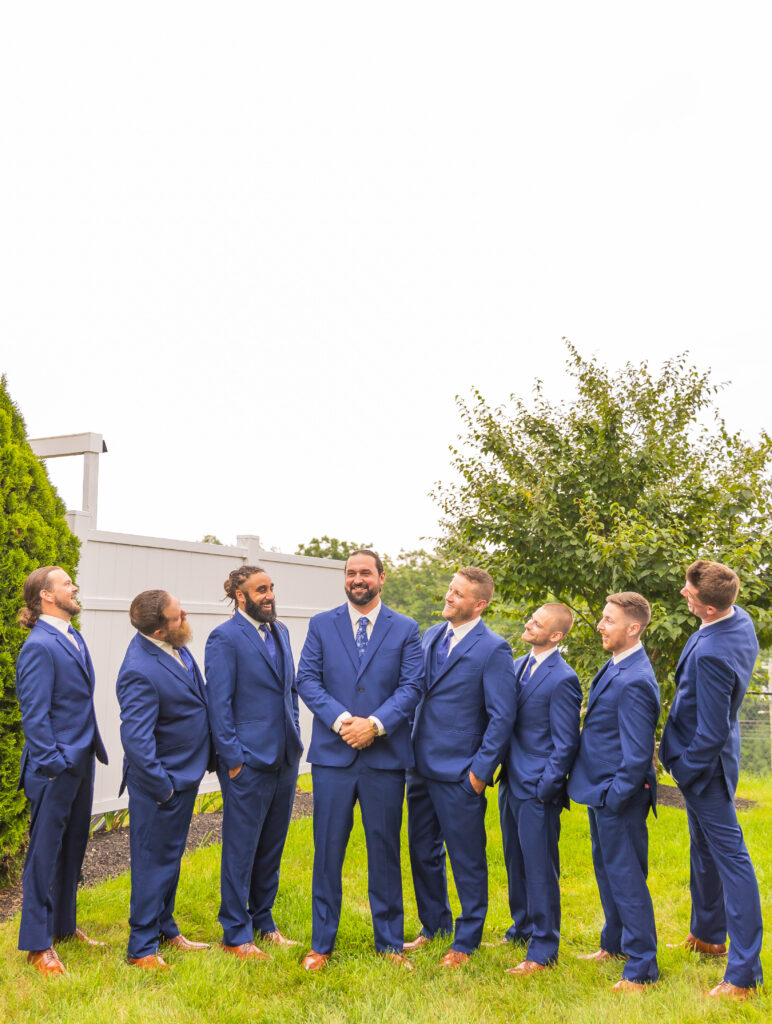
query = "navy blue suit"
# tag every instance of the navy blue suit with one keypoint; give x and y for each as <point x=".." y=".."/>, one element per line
<point x="55" y="685"/>
<point x="253" y="713"/>
<point x="386" y="682"/>
<point x="614" y="775"/>
<point x="701" y="749"/>
<point x="167" y="749"/>
<point x="463" y="724"/>
<point x="532" y="793"/>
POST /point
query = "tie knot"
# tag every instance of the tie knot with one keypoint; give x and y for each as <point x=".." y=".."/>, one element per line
<point x="265" y="629"/>
<point x="363" y="622"/>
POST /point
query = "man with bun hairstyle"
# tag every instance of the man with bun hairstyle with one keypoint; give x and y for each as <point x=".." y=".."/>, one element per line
<point x="167" y="748"/>
<point x="55" y="685"/>
<point x="532" y="787"/>
<point x="614" y="775"/>
<point x="701" y="749"/>
<point x="253" y="712"/>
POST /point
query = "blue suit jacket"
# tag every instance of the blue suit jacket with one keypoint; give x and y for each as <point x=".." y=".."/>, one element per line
<point x="617" y="742"/>
<point x="387" y="683"/>
<point x="164" y="726"/>
<point x="56" y="694"/>
<point x="253" y="707"/>
<point x="702" y="731"/>
<point x="465" y="719"/>
<point x="546" y="736"/>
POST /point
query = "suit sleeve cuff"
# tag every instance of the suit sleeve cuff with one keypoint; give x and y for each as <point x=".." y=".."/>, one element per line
<point x="343" y="717"/>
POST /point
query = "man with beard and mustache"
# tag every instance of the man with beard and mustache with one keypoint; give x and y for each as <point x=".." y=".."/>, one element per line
<point x="55" y="685"/>
<point x="253" y="712"/>
<point x="167" y="748"/>
<point x="361" y="674"/>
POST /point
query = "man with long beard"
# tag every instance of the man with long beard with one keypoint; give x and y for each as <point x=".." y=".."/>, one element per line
<point x="253" y="711"/>
<point x="167" y="748"/>
<point x="361" y="674"/>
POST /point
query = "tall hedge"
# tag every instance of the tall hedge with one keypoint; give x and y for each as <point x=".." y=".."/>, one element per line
<point x="33" y="532"/>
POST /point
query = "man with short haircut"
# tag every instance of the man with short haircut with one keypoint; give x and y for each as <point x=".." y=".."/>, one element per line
<point x="701" y="749"/>
<point x="614" y="775"/>
<point x="55" y="685"/>
<point x="167" y="748"/>
<point x="253" y="711"/>
<point x="462" y="727"/>
<point x="532" y="788"/>
<point x="361" y="675"/>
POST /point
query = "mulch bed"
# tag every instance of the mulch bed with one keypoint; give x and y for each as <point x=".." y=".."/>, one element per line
<point x="670" y="796"/>
<point x="107" y="854"/>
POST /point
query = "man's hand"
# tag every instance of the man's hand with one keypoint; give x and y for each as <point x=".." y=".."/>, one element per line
<point x="357" y="732"/>
<point x="478" y="785"/>
<point x="233" y="772"/>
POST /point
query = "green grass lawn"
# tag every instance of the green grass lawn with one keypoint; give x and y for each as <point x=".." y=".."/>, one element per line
<point x="357" y="986"/>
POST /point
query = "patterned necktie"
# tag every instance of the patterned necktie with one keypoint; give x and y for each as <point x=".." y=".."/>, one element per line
<point x="444" y="649"/>
<point x="361" y="637"/>
<point x="186" y="658"/>
<point x="528" y="670"/>
<point x="270" y="642"/>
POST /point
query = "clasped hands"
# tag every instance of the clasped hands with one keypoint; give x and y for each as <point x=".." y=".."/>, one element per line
<point x="357" y="732"/>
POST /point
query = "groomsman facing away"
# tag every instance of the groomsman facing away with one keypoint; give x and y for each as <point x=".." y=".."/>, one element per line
<point x="701" y="749"/>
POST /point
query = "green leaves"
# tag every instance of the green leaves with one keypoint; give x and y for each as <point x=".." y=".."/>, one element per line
<point x="620" y="489"/>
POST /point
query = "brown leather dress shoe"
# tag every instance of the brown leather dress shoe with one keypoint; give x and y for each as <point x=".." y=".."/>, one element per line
<point x="277" y="939"/>
<point x="727" y="990"/>
<point x="411" y="947"/>
<point x="454" y="958"/>
<point x="314" y="961"/>
<point x="187" y="945"/>
<point x="46" y="961"/>
<point x="526" y="967"/>
<point x="151" y="962"/>
<point x="629" y="987"/>
<point x="695" y="945"/>
<point x="599" y="956"/>
<point x="399" y="959"/>
<point x="246" y="951"/>
<point x="81" y="936"/>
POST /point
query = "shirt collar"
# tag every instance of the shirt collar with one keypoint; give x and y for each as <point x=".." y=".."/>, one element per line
<point x="254" y="622"/>
<point x="539" y="658"/>
<point x="459" y="632"/>
<point x="53" y="620"/>
<point x="727" y="615"/>
<point x="356" y="613"/>
<point x="627" y="653"/>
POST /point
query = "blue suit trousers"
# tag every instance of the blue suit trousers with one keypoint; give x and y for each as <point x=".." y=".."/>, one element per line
<point x="257" y="808"/>
<point x="157" y="837"/>
<point x="620" y="856"/>
<point x="449" y="812"/>
<point x="725" y="892"/>
<point x="530" y="833"/>
<point x="381" y="793"/>
<point x="59" y="824"/>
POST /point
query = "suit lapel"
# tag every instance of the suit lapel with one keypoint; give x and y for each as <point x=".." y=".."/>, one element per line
<point x="170" y="664"/>
<point x="250" y="632"/>
<point x="538" y="676"/>
<point x="462" y="647"/>
<point x="343" y="626"/>
<point x="689" y="646"/>
<point x="601" y="681"/>
<point x="380" y="629"/>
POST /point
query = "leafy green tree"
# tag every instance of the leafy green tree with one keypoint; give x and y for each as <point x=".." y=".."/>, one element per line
<point x="209" y="538"/>
<point x="620" y="489"/>
<point x="329" y="547"/>
<point x="33" y="532"/>
<point x="416" y="582"/>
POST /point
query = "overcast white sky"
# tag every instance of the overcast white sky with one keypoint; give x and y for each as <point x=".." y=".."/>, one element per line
<point x="261" y="246"/>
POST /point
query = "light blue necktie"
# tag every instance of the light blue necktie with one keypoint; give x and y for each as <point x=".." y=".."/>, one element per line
<point x="361" y="636"/>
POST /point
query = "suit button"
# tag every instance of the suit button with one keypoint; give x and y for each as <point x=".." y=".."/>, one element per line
<point x="361" y="689"/>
